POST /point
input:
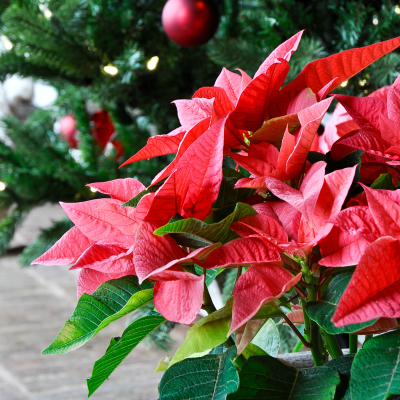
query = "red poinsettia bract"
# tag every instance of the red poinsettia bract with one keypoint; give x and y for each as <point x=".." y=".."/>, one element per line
<point x="304" y="215"/>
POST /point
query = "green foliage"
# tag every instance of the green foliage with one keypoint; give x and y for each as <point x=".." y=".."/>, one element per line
<point x="206" y="334"/>
<point x="159" y="338"/>
<point x="212" y="233"/>
<point x="268" y="338"/>
<point x="375" y="372"/>
<point x="384" y="181"/>
<point x="266" y="377"/>
<point x="322" y="311"/>
<point x="120" y="347"/>
<point x="343" y="366"/>
<point x="210" y="273"/>
<point x="288" y="339"/>
<point x="229" y="283"/>
<point x="109" y="302"/>
<point x="330" y="26"/>
<point x="211" y="377"/>
<point x="228" y="195"/>
<point x="8" y="225"/>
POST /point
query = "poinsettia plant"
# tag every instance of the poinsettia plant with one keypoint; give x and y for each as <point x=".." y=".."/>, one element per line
<point x="311" y="224"/>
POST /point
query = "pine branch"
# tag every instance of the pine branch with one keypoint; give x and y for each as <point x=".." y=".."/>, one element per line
<point x="8" y="226"/>
<point x="237" y="53"/>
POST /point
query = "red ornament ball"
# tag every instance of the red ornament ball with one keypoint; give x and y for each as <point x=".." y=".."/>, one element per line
<point x="102" y="128"/>
<point x="68" y="130"/>
<point x="190" y="23"/>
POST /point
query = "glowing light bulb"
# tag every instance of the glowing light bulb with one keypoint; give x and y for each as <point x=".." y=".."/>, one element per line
<point x="6" y="42"/>
<point x="46" y="12"/>
<point x="362" y="82"/>
<point x="152" y="63"/>
<point x="375" y="21"/>
<point x="110" y="70"/>
<point x="344" y="84"/>
<point x="93" y="190"/>
<point x="397" y="9"/>
<point x="2" y="186"/>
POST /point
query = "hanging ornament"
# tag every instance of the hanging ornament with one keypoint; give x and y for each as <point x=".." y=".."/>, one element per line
<point x="190" y="23"/>
<point x="102" y="128"/>
<point x="103" y="132"/>
<point x="68" y="130"/>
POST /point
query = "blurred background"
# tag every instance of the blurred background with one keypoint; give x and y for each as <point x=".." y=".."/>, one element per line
<point x="84" y="84"/>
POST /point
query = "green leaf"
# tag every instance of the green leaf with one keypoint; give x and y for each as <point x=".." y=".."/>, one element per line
<point x="219" y="214"/>
<point x="314" y="156"/>
<point x="186" y="240"/>
<point x="268" y="378"/>
<point x="212" y="233"/>
<point x="109" y="302"/>
<point x="268" y="310"/>
<point x="119" y="348"/>
<point x="210" y="273"/>
<point x="218" y="350"/>
<point x="163" y="364"/>
<point x="135" y="200"/>
<point x="375" y="372"/>
<point x="384" y="181"/>
<point x="212" y="377"/>
<point x="253" y="350"/>
<point x="322" y="311"/>
<point x="206" y="334"/>
<point x="343" y="366"/>
<point x="268" y="339"/>
<point x="227" y="193"/>
<point x="350" y="160"/>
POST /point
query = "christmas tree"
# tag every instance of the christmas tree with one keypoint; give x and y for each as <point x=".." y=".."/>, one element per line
<point x="250" y="29"/>
<point x="116" y="71"/>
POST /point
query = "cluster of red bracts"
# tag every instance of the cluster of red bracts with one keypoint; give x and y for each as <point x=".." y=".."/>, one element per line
<point x="269" y="131"/>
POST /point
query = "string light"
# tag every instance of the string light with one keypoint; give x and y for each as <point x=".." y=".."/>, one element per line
<point x="362" y="82"/>
<point x="6" y="42"/>
<point x="110" y="69"/>
<point x="397" y="9"/>
<point x="375" y="21"/>
<point x="46" y="12"/>
<point x="2" y="186"/>
<point x="152" y="63"/>
<point x="344" y="84"/>
<point x="93" y="190"/>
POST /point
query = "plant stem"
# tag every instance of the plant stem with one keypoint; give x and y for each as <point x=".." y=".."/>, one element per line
<point x="332" y="344"/>
<point x="296" y="331"/>
<point x="300" y="292"/>
<point x="311" y="328"/>
<point x="298" y="347"/>
<point x="239" y="273"/>
<point x="353" y="343"/>
<point x="316" y="349"/>
<point x="208" y="304"/>
<point x="306" y="321"/>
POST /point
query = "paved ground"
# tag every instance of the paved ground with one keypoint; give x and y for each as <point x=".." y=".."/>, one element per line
<point x="34" y="304"/>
